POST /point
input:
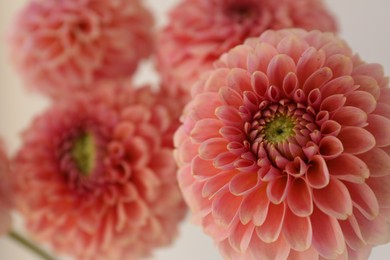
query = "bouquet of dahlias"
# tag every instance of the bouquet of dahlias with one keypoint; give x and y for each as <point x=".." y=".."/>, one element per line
<point x="255" y="118"/>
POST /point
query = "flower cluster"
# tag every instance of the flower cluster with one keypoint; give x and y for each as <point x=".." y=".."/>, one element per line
<point x="290" y="158"/>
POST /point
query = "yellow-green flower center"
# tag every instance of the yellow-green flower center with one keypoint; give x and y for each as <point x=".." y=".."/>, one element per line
<point x="279" y="129"/>
<point x="83" y="153"/>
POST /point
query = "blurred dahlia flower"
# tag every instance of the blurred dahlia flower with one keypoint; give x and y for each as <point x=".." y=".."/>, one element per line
<point x="5" y="201"/>
<point x="284" y="150"/>
<point x="199" y="31"/>
<point x="60" y="45"/>
<point x="95" y="176"/>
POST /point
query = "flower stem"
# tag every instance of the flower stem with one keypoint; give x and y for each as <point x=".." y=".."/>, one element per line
<point x="30" y="245"/>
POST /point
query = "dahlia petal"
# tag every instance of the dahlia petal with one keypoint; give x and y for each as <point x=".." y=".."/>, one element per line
<point x="367" y="84"/>
<point x="208" y="101"/>
<point x="317" y="79"/>
<point x="361" y="253"/>
<point x="374" y="231"/>
<point x="298" y="231"/>
<point x="340" y="65"/>
<point x="237" y="57"/>
<point x="232" y="133"/>
<point x="299" y="199"/>
<point x="290" y="84"/>
<point x="240" y="236"/>
<point x="334" y="199"/>
<point x="330" y="147"/>
<point x="352" y="235"/>
<point x="314" y="98"/>
<point x="328" y="237"/>
<point x="260" y="83"/>
<point x="341" y="85"/>
<point x="381" y="187"/>
<point x="270" y="230"/>
<point x="205" y="129"/>
<point x="231" y="97"/>
<point x="243" y="182"/>
<point x="215" y="184"/>
<point x="216" y="80"/>
<point x="212" y="147"/>
<point x="349" y="168"/>
<point x="215" y="231"/>
<point x="379" y="127"/>
<point x="203" y="168"/>
<point x="333" y="102"/>
<point x="278" y="188"/>
<point x="264" y="54"/>
<point x="348" y="136"/>
<point x="225" y="207"/>
<point x="239" y="80"/>
<point x="382" y="109"/>
<point x="377" y="160"/>
<point x="279" y="249"/>
<point x="254" y="207"/>
<point x="310" y="253"/>
<point x="330" y="127"/>
<point x="278" y="68"/>
<point x="310" y="61"/>
<point x="364" y="199"/>
<point x="225" y="161"/>
<point x="350" y="116"/>
<point x="186" y="151"/>
<point x="292" y="46"/>
<point x="317" y="173"/>
<point x="361" y="99"/>
<point x="229" y="116"/>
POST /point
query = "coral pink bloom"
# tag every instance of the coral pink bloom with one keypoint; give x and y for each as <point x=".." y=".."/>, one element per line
<point x="201" y="30"/>
<point x="60" y="45"/>
<point x="95" y="176"/>
<point x="284" y="150"/>
<point x="5" y="202"/>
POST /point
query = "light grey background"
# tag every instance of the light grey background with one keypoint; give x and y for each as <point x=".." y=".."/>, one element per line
<point x="364" y="24"/>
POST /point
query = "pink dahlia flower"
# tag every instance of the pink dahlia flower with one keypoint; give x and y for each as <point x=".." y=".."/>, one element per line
<point x="201" y="30"/>
<point x="95" y="176"/>
<point x="5" y="201"/>
<point x="284" y="150"/>
<point x="60" y="45"/>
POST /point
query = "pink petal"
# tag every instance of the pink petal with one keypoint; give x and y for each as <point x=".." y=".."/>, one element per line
<point x="254" y="207"/>
<point x="376" y="231"/>
<point x="317" y="79"/>
<point x="363" y="199"/>
<point x="215" y="184"/>
<point x="278" y="68"/>
<point x="292" y="46"/>
<point x="278" y="189"/>
<point x="298" y="231"/>
<point x="278" y="249"/>
<point x="361" y="99"/>
<point x="225" y="207"/>
<point x="239" y="80"/>
<point x="379" y="127"/>
<point x="263" y="54"/>
<point x="328" y="238"/>
<point x="260" y="83"/>
<point x="240" y="236"/>
<point x="310" y="253"/>
<point x="348" y="136"/>
<point x="381" y="187"/>
<point x="205" y="129"/>
<point x="213" y="147"/>
<point x="334" y="199"/>
<point x="299" y="198"/>
<point x="216" y="80"/>
<point x="333" y="102"/>
<point x="186" y="151"/>
<point x="378" y="161"/>
<point x="349" y="168"/>
<point x="340" y="65"/>
<point x="310" y="62"/>
<point x="330" y="127"/>
<point x="232" y="133"/>
<point x="290" y="84"/>
<point x="341" y="85"/>
<point x="330" y="147"/>
<point x="229" y="115"/>
<point x="269" y="231"/>
<point x="353" y="236"/>
<point x="317" y="173"/>
<point x="243" y="182"/>
<point x="367" y="84"/>
<point x="203" y="168"/>
<point x="350" y="116"/>
<point x="225" y="161"/>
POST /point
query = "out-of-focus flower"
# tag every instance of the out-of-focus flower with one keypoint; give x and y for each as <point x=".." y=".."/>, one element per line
<point x="95" y="176"/>
<point x="284" y="150"/>
<point x="201" y="30"/>
<point x="60" y="45"/>
<point x="5" y="201"/>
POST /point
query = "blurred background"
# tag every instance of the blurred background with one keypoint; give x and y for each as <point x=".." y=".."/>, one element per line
<point x="365" y="25"/>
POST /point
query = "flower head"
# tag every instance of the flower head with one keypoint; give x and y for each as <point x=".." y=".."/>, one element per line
<point x="60" y="45"/>
<point x="95" y="176"/>
<point x="201" y="30"/>
<point x="284" y="150"/>
<point x="5" y="201"/>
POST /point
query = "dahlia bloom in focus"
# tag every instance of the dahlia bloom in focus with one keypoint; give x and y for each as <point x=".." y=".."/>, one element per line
<point x="5" y="203"/>
<point x="201" y="30"/>
<point x="95" y="176"/>
<point x="284" y="150"/>
<point x="59" y="45"/>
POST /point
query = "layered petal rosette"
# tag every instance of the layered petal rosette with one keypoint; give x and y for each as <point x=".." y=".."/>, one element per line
<point x="60" y="45"/>
<point x="284" y="150"/>
<point x="5" y="191"/>
<point x="95" y="176"/>
<point x="199" y="31"/>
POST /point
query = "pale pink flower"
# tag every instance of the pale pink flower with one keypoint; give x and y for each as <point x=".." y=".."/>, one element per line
<point x="60" y="45"/>
<point x="5" y="192"/>
<point x="199" y="31"/>
<point x="95" y="176"/>
<point x="284" y="150"/>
